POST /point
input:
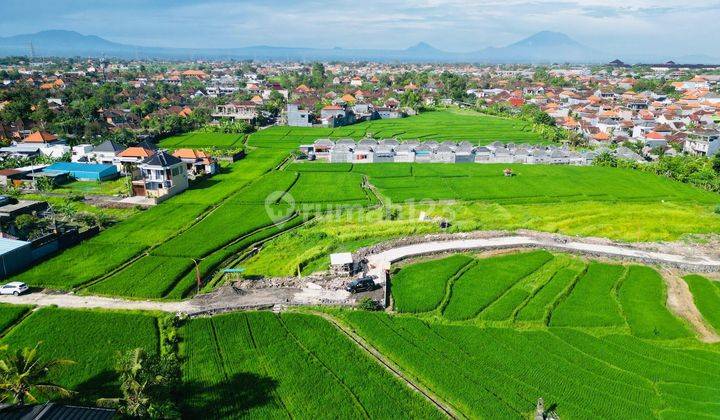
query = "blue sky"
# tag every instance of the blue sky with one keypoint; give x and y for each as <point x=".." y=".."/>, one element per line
<point x="622" y="27"/>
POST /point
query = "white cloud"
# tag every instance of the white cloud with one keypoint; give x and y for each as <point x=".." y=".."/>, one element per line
<point x="460" y="25"/>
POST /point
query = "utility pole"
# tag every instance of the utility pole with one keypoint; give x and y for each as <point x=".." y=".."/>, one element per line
<point x="197" y="274"/>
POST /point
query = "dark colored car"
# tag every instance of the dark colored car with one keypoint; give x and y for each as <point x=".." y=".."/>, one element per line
<point x="6" y="199"/>
<point x="361" y="285"/>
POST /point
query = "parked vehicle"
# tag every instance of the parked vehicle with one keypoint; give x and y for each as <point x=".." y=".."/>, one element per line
<point x="363" y="284"/>
<point x="6" y="199"/>
<point x="14" y="288"/>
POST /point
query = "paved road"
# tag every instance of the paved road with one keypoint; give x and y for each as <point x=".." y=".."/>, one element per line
<point x="382" y="261"/>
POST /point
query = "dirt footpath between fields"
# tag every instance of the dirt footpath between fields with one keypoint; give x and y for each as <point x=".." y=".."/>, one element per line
<point x="680" y="301"/>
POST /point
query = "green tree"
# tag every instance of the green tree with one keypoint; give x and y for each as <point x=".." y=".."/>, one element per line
<point x="42" y="114"/>
<point x="23" y="374"/>
<point x="605" y="159"/>
<point x="317" y="75"/>
<point x="716" y="163"/>
<point x="146" y="383"/>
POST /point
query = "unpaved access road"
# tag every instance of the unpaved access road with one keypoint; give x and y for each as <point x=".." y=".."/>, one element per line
<point x="381" y="261"/>
<point x="225" y="299"/>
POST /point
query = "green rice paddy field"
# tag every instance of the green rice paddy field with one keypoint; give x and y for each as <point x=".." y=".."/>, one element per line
<point x="595" y="340"/>
<point x="202" y="140"/>
<point x="150" y="254"/>
<point x="489" y="352"/>
<point x="440" y="125"/>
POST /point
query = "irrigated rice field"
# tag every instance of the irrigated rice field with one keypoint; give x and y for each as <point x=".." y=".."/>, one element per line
<point x="263" y="365"/>
<point x="441" y="125"/>
<point x="202" y="140"/>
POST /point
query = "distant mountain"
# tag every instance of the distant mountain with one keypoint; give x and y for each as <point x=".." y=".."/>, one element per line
<point x="59" y="42"/>
<point x="423" y="47"/>
<point x="544" y="47"/>
<point x="547" y="39"/>
<point x="540" y="48"/>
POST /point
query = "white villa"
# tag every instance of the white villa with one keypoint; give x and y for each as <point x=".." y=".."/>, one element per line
<point x="369" y="150"/>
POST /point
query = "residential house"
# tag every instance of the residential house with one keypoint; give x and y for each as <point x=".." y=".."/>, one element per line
<point x="160" y="177"/>
<point x="128" y="160"/>
<point x="49" y="144"/>
<point x="197" y="162"/>
<point x="298" y="116"/>
<point x="243" y="111"/>
<point x="80" y="152"/>
<point x="703" y="142"/>
<point x="105" y="152"/>
<point x="336" y="116"/>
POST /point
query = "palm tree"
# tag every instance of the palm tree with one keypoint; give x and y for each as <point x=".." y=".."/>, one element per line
<point x="22" y="373"/>
<point x="144" y="382"/>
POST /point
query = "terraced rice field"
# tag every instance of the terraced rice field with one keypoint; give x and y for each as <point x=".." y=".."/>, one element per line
<point x="422" y="287"/>
<point x="592" y="302"/>
<point x="202" y="140"/>
<point x="500" y="372"/>
<point x="531" y="184"/>
<point x="539" y="288"/>
<point x="263" y="365"/>
<point x="487" y="281"/>
<point x="89" y="338"/>
<point x="178" y="217"/>
<point x="706" y="295"/>
<point x="440" y="125"/>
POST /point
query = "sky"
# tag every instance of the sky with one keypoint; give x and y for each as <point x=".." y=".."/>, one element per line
<point x="613" y="26"/>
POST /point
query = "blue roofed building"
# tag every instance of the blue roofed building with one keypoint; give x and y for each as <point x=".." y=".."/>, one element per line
<point x="84" y="171"/>
<point x="14" y="256"/>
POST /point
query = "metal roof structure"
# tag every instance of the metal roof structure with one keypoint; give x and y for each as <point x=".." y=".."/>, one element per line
<point x="9" y="245"/>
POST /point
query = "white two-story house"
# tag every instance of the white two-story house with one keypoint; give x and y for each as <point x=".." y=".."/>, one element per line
<point x="160" y="177"/>
<point x="243" y="111"/>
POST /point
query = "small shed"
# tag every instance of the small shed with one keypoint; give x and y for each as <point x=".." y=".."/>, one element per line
<point x="341" y="263"/>
<point x="14" y="256"/>
<point x="85" y="171"/>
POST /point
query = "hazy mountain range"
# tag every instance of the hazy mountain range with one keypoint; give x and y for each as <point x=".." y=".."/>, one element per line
<point x="543" y="47"/>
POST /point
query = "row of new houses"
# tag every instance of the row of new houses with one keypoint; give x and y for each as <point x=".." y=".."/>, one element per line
<point x="390" y="150"/>
<point x="335" y="115"/>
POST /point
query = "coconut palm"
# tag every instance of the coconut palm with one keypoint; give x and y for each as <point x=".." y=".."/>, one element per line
<point x="23" y="374"/>
<point x="144" y="382"/>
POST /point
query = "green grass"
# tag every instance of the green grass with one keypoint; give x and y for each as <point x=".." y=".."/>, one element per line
<point x="707" y="298"/>
<point x="10" y="314"/>
<point x="501" y="372"/>
<point x="202" y="140"/>
<point x="91" y="339"/>
<point x="267" y="189"/>
<point x="484" y="283"/>
<point x="263" y="365"/>
<point x="643" y="295"/>
<point x="319" y="167"/>
<point x="112" y="187"/>
<point x="228" y="222"/>
<point x="592" y="302"/>
<point x="208" y="264"/>
<point x="80" y="264"/>
<point x="421" y="287"/>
